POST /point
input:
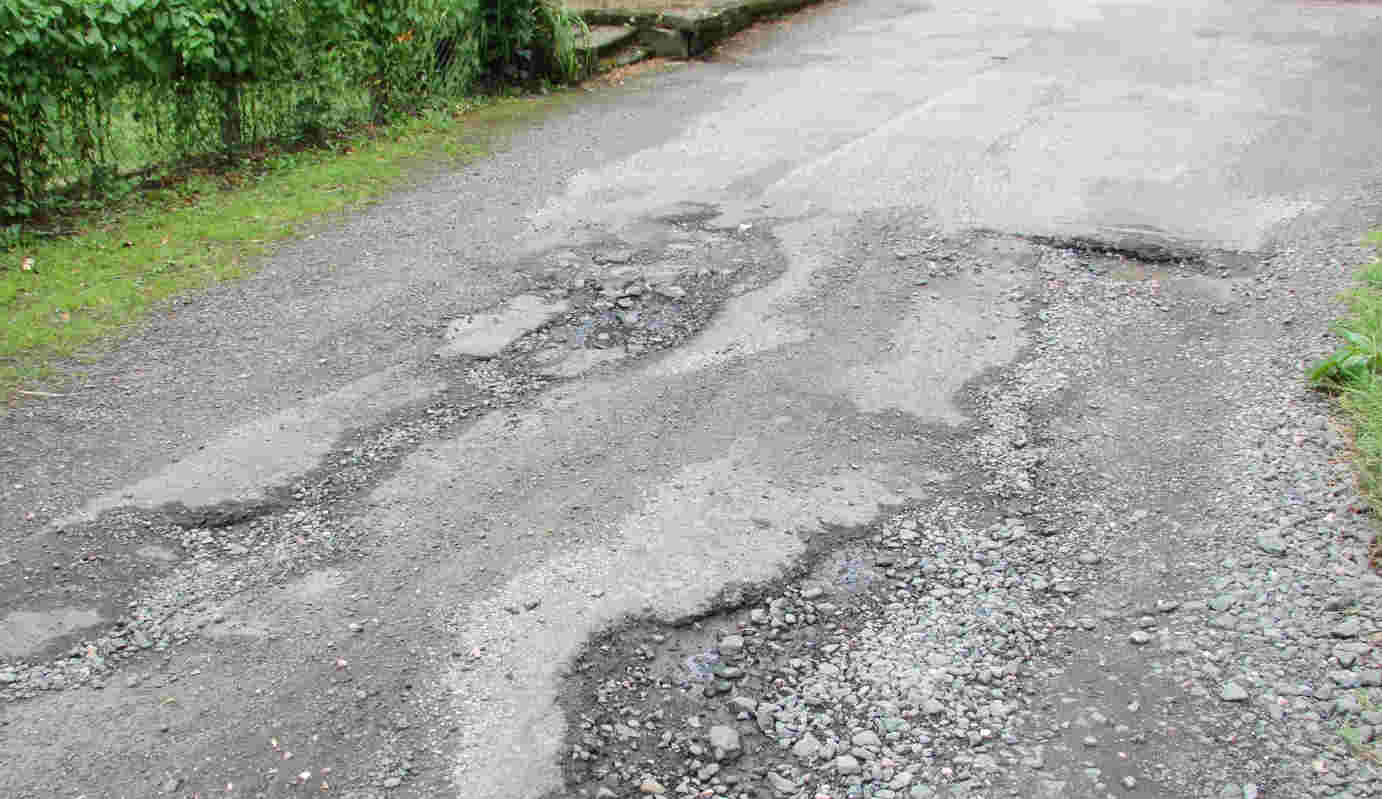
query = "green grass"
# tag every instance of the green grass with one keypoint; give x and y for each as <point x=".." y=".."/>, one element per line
<point x="72" y="296"/>
<point x="1354" y="373"/>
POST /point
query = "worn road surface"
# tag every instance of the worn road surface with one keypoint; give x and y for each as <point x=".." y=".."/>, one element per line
<point x="904" y="401"/>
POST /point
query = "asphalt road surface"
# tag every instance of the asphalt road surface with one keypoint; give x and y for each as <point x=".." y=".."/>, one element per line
<point x="904" y="401"/>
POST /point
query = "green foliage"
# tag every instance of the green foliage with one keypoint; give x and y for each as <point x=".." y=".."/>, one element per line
<point x="1355" y="364"/>
<point x="91" y="89"/>
<point x="1351" y="373"/>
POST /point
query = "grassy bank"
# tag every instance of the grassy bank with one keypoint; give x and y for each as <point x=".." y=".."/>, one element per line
<point x="69" y="297"/>
<point x="1354" y="373"/>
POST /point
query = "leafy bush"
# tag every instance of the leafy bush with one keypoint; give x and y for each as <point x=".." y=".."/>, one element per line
<point x="95" y="88"/>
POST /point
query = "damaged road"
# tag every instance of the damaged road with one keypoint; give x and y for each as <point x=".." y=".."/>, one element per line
<point x="904" y="402"/>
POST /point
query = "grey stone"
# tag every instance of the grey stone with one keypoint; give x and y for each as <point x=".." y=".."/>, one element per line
<point x="1271" y="542"/>
<point x="780" y="784"/>
<point x="1349" y="628"/>
<point x="1348" y="703"/>
<point x="866" y="738"/>
<point x="1140" y="637"/>
<point x="1233" y="692"/>
<point x="1344" y="679"/>
<point x="806" y="747"/>
<point x="847" y="764"/>
<point x="1223" y="602"/>
<point x="724" y="742"/>
<point x="731" y="645"/>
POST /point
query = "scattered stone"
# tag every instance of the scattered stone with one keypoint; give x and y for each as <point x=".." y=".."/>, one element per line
<point x="651" y="786"/>
<point x="1130" y="782"/>
<point x="1233" y="692"/>
<point x="1140" y="637"/>
<point x="731" y="645"/>
<point x="846" y="764"/>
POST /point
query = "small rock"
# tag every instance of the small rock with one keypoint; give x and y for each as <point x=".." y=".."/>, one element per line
<point x="932" y="708"/>
<point x="780" y="784"/>
<point x="1250" y="790"/>
<point x="1233" y="692"/>
<point x="8" y="676"/>
<point x="807" y="747"/>
<point x="1347" y="629"/>
<point x="866" y="738"/>
<point x="532" y="604"/>
<point x="1140" y="637"/>
<point x="1271" y="542"/>
<point x="1130" y="782"/>
<point x="724" y="742"/>
<point x="1089" y="558"/>
<point x="731" y="645"/>
<point x="393" y="782"/>
<point x="1223" y="602"/>
<point x="846" y="764"/>
<point x="651" y="786"/>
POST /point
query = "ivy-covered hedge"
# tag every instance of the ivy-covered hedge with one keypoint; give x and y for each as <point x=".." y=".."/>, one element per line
<point x="89" y="88"/>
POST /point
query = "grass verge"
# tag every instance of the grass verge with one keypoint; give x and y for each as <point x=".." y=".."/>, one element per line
<point x="1354" y="373"/>
<point x="70" y="297"/>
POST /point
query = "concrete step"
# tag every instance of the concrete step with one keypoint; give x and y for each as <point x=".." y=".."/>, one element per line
<point x="605" y="39"/>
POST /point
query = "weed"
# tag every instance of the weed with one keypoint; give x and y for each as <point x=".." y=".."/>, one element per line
<point x="1351" y="373"/>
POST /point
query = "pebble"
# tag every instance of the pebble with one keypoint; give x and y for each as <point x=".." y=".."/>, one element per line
<point x="846" y="764"/>
<point x="731" y="645"/>
<point x="1233" y="692"/>
<point x="724" y="742"/>
<point x="651" y="786"/>
<point x="1140" y="637"/>
<point x="1271" y="543"/>
<point x="1347" y="629"/>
